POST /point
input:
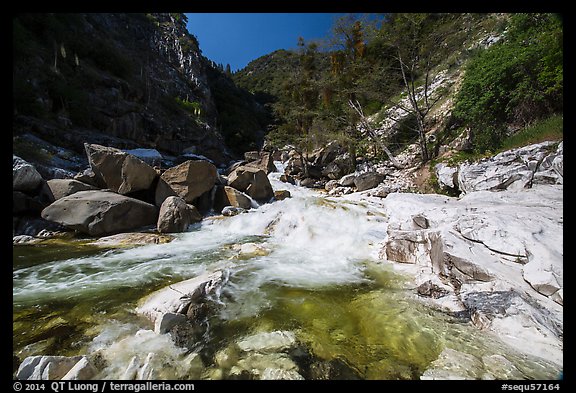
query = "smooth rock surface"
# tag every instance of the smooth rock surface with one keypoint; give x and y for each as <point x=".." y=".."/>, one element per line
<point x="25" y="177"/>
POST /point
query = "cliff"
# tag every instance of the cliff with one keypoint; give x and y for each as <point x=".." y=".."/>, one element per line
<point x="122" y="80"/>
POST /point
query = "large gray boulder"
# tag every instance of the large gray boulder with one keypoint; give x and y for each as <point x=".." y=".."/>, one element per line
<point x="253" y="182"/>
<point x="263" y="160"/>
<point x="368" y="180"/>
<point x="119" y="171"/>
<point x="168" y="306"/>
<point x="447" y="176"/>
<point x="60" y="188"/>
<point x="176" y="215"/>
<point x="24" y="176"/>
<point x="228" y="196"/>
<point x="98" y="213"/>
<point x="149" y="156"/>
<point x="188" y="180"/>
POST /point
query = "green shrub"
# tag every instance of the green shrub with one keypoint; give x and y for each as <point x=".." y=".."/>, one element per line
<point x="515" y="82"/>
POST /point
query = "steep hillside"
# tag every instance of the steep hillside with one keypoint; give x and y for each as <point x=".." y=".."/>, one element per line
<point x="124" y="80"/>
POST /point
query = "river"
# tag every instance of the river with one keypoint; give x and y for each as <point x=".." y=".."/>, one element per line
<point x="316" y="274"/>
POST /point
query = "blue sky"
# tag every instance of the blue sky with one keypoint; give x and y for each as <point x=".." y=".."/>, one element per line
<point x="237" y="38"/>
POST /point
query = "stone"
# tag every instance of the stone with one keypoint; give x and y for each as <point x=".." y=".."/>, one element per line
<point x="250" y="250"/>
<point x="541" y="278"/>
<point x="421" y="221"/>
<point x="60" y="188"/>
<point x="25" y="177"/>
<point x="454" y="365"/>
<point x="188" y="180"/>
<point x="280" y="195"/>
<point x="87" y="176"/>
<point x="83" y="370"/>
<point x="280" y="374"/>
<point x="347" y="180"/>
<point x="253" y="182"/>
<point x="263" y="161"/>
<point x="176" y="215"/>
<point x="287" y="179"/>
<point x="237" y="198"/>
<point x="176" y="299"/>
<point x="98" y="213"/>
<point x="132" y="239"/>
<point x="512" y="169"/>
<point x="330" y="185"/>
<point x="230" y="211"/>
<point x="119" y="171"/>
<point x="447" y="176"/>
<point x="429" y="289"/>
<point x="368" y="180"/>
<point x="46" y="367"/>
<point x="268" y="342"/>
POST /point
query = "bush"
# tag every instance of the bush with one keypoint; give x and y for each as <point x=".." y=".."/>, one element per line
<point x="514" y="82"/>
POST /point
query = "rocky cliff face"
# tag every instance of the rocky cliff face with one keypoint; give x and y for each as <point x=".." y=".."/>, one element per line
<point x="122" y="80"/>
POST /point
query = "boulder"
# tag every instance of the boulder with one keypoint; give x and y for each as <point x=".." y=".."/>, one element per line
<point x="287" y="179"/>
<point x="46" y="367"/>
<point x="24" y="176"/>
<point x="447" y="176"/>
<point x="163" y="306"/>
<point x="132" y="239"/>
<point x="119" y="171"/>
<point x="188" y="180"/>
<point x="263" y="161"/>
<point x="368" y="180"/>
<point x="280" y="195"/>
<point x="87" y="176"/>
<point x="176" y="215"/>
<point x="230" y="211"/>
<point x="60" y="188"/>
<point x="347" y="180"/>
<point x="268" y="342"/>
<point x="98" y="213"/>
<point x="235" y="198"/>
<point x="253" y="182"/>
<point x="330" y="185"/>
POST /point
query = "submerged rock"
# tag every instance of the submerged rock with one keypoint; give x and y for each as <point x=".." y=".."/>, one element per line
<point x="169" y="305"/>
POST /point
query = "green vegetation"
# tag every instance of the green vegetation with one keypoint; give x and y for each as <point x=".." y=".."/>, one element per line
<point x="514" y="82"/>
<point x="549" y="129"/>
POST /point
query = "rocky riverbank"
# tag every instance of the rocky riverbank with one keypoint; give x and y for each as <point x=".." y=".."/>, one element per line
<point x="288" y="294"/>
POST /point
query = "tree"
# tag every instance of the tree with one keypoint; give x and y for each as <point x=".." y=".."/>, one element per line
<point x="415" y="45"/>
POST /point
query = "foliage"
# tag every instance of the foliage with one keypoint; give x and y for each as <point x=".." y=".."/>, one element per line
<point x="551" y="128"/>
<point x="514" y="82"/>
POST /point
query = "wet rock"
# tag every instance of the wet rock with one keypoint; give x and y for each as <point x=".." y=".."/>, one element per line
<point x="253" y="365"/>
<point x="368" y="180"/>
<point x="25" y="177"/>
<point x="250" y="250"/>
<point x="330" y="185"/>
<point x="99" y="213"/>
<point x="230" y="211"/>
<point x="280" y="195"/>
<point x="334" y="369"/>
<point x="83" y="370"/>
<point x="188" y="180"/>
<point x="287" y="179"/>
<point x="160" y="306"/>
<point x="280" y="374"/>
<point x="46" y="367"/>
<point x="24" y="239"/>
<point x="119" y="171"/>
<point x="60" y="188"/>
<point x="454" y="365"/>
<point x="429" y="289"/>
<point x="176" y="215"/>
<point x="268" y="342"/>
<point x="132" y="239"/>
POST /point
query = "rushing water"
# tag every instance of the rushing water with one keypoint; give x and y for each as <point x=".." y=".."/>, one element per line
<point x="320" y="278"/>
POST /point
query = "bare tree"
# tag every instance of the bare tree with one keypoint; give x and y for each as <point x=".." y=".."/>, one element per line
<point x="369" y="130"/>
